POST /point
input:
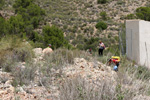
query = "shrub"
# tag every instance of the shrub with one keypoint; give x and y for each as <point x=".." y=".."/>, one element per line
<point x="64" y="56"/>
<point x="130" y="16"/>
<point x="2" y="2"/>
<point x="91" y="43"/>
<point x="143" y="13"/>
<point x="101" y="1"/>
<point x="23" y="76"/>
<point x="53" y="35"/>
<point x="2" y="26"/>
<point x="13" y="50"/>
<point x="103" y="15"/>
<point x="28" y="17"/>
<point x="101" y="25"/>
<point x="16" y="24"/>
<point x="142" y="73"/>
<point x="79" y="88"/>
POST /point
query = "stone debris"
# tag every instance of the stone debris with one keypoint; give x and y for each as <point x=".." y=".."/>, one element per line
<point x="93" y="72"/>
<point x="88" y="70"/>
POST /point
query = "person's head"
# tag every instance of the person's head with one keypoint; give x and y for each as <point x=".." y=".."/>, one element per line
<point x="100" y="41"/>
<point x="49" y="45"/>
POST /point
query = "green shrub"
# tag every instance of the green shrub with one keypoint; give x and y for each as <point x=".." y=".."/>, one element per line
<point x="16" y="24"/>
<point x="28" y="17"/>
<point x="103" y="15"/>
<point x="143" y="13"/>
<point x="101" y="1"/>
<point x="101" y="25"/>
<point x="53" y="35"/>
<point x="120" y="2"/>
<point x="2" y="26"/>
<point x="2" y="2"/>
<point x="130" y="16"/>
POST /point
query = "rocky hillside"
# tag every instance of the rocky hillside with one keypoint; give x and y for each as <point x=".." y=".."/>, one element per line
<point x="80" y="17"/>
<point x="53" y="79"/>
<point x="28" y="74"/>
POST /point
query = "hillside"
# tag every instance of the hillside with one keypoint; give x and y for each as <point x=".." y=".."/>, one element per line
<point x="67" y="75"/>
<point x="69" y="71"/>
<point x="80" y="17"/>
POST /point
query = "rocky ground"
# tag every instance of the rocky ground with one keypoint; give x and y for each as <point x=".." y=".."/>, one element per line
<point x="93" y="72"/>
<point x="90" y="71"/>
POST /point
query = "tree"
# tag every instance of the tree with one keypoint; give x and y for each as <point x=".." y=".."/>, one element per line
<point x="53" y="35"/>
<point x="28" y="17"/>
<point x="101" y="25"/>
<point x="16" y="24"/>
<point x="21" y="3"/>
<point x="143" y="13"/>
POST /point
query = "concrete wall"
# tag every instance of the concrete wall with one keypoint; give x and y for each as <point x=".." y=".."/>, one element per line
<point x="132" y="40"/>
<point x="144" y="35"/>
<point x="138" y="41"/>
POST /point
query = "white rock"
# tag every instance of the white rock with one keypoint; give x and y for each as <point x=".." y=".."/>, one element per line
<point x="37" y="51"/>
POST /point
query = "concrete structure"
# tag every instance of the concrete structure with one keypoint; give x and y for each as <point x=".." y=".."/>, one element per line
<point x="138" y="41"/>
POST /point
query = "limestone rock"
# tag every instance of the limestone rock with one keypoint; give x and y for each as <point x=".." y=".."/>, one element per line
<point x="37" y="51"/>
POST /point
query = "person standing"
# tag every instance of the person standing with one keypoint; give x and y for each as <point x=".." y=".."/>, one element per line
<point x="47" y="50"/>
<point x="101" y="48"/>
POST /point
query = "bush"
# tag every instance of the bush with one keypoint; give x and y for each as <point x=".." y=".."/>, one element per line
<point x="101" y="25"/>
<point x="2" y="2"/>
<point x="28" y="17"/>
<point x="79" y="88"/>
<point x="13" y="50"/>
<point x="101" y="1"/>
<point x="130" y="16"/>
<point x="23" y="76"/>
<point x="143" y="13"/>
<point x="2" y="26"/>
<point x="103" y="15"/>
<point x="64" y="56"/>
<point x="16" y="24"/>
<point x="53" y="35"/>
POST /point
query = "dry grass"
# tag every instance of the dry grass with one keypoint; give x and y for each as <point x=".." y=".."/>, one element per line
<point x="58" y="60"/>
<point x="132" y="80"/>
<point x="81" y="89"/>
<point x="13" y="50"/>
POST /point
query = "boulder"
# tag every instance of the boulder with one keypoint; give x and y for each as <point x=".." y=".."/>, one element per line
<point x="37" y="51"/>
